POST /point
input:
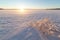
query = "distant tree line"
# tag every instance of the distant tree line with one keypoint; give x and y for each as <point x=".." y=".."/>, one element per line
<point x="53" y="9"/>
<point x="1" y="9"/>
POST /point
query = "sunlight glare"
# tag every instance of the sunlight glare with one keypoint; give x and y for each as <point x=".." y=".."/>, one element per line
<point x="21" y="8"/>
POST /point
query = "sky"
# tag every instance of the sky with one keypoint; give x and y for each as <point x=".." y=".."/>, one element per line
<point x="34" y="4"/>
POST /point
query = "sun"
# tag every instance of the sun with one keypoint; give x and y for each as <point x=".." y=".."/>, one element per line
<point x="21" y="8"/>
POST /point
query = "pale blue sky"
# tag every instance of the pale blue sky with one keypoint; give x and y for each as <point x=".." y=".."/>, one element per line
<point x="30" y="3"/>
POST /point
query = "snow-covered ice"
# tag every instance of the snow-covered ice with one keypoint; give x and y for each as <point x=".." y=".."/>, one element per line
<point x="14" y="26"/>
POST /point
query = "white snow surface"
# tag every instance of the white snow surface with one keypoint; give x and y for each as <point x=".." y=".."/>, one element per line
<point x="15" y="26"/>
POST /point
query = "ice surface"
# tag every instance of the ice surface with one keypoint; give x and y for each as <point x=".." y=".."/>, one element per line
<point x="14" y="26"/>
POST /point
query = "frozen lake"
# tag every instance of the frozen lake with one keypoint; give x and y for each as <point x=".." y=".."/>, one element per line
<point x="14" y="25"/>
